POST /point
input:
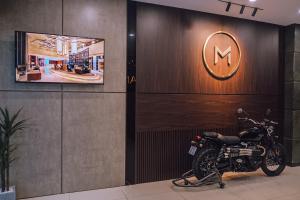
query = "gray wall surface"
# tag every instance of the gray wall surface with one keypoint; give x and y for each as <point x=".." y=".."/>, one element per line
<point x="77" y="136"/>
<point x="292" y="94"/>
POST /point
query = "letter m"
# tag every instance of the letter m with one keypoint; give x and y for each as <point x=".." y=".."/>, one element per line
<point x="218" y="53"/>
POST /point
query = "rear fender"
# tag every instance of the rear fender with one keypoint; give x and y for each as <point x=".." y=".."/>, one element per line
<point x="211" y="143"/>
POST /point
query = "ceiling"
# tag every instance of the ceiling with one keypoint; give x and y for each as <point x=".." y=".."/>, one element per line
<point x="282" y="12"/>
<point x="49" y="42"/>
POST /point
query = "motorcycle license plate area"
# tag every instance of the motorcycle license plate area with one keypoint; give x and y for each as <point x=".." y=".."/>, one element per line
<point x="192" y="150"/>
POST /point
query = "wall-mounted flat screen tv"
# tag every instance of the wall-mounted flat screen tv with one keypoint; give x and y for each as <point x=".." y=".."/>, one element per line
<point x="48" y="58"/>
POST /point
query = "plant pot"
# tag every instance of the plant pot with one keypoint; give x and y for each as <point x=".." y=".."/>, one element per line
<point x="9" y="195"/>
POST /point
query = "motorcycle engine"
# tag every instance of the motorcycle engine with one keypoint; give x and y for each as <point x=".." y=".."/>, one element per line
<point x="246" y="157"/>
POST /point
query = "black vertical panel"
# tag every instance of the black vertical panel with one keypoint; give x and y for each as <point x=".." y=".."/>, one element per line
<point x="130" y="96"/>
<point x="16" y="49"/>
<point x="20" y="48"/>
<point x="281" y="61"/>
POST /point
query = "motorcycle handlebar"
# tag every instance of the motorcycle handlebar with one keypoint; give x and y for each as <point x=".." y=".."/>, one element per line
<point x="263" y="123"/>
<point x="272" y="122"/>
<point x="258" y="123"/>
<point x="249" y="119"/>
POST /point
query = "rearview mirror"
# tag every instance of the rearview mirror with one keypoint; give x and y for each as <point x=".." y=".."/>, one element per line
<point x="240" y="110"/>
<point x="268" y="112"/>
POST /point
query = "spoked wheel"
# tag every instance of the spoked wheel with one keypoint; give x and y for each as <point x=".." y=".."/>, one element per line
<point x="204" y="163"/>
<point x="274" y="161"/>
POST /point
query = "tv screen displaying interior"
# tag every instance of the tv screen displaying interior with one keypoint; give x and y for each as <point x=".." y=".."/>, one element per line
<point x="48" y="58"/>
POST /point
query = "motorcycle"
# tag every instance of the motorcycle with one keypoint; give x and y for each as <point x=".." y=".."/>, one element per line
<point x="256" y="147"/>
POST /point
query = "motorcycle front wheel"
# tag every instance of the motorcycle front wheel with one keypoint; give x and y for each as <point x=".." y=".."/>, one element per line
<point x="274" y="161"/>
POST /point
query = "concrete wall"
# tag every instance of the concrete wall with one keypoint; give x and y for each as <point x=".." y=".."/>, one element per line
<point x="77" y="136"/>
<point x="292" y="93"/>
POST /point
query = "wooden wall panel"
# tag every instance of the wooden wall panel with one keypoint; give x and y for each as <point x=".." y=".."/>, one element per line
<point x="162" y="154"/>
<point x="160" y="111"/>
<point x="169" y="53"/>
<point x="177" y="98"/>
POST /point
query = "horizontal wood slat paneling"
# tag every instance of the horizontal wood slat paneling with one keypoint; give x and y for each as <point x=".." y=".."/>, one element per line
<point x="195" y="110"/>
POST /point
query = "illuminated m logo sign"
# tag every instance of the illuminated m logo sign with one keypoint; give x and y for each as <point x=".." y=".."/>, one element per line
<point x="227" y="53"/>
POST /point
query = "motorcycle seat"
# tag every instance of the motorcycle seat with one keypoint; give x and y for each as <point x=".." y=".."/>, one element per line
<point x="243" y="134"/>
<point x="223" y="139"/>
<point x="210" y="134"/>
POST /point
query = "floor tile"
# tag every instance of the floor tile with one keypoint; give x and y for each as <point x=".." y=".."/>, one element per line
<point x="147" y="189"/>
<point x="52" y="197"/>
<point x="288" y="197"/>
<point x="163" y="196"/>
<point x="213" y="194"/>
<point x="102" y="194"/>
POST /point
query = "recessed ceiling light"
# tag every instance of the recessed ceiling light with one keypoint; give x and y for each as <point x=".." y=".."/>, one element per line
<point x="252" y="0"/>
<point x="299" y="11"/>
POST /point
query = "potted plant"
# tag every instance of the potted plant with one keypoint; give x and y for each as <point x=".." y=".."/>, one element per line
<point x="9" y="126"/>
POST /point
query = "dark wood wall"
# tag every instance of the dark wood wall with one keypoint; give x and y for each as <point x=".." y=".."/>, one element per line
<point x="157" y="111"/>
<point x="169" y="53"/>
<point x="175" y="94"/>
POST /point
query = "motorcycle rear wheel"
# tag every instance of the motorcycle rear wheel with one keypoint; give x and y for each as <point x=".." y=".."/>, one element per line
<point x="274" y="156"/>
<point x="203" y="162"/>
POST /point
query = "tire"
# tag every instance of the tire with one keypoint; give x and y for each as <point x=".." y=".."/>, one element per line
<point x="199" y="162"/>
<point x="282" y="161"/>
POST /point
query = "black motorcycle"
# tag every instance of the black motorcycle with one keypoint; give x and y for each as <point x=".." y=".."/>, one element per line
<point x="256" y="147"/>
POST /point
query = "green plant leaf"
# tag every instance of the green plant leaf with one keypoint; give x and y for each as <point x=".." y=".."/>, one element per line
<point x="8" y="127"/>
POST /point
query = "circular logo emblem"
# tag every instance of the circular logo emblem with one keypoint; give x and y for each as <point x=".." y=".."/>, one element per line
<point x="222" y="55"/>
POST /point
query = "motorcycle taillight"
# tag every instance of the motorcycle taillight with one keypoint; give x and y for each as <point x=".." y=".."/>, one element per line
<point x="198" y="138"/>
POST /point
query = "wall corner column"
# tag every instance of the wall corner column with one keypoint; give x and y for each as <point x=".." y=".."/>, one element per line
<point x="292" y="94"/>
